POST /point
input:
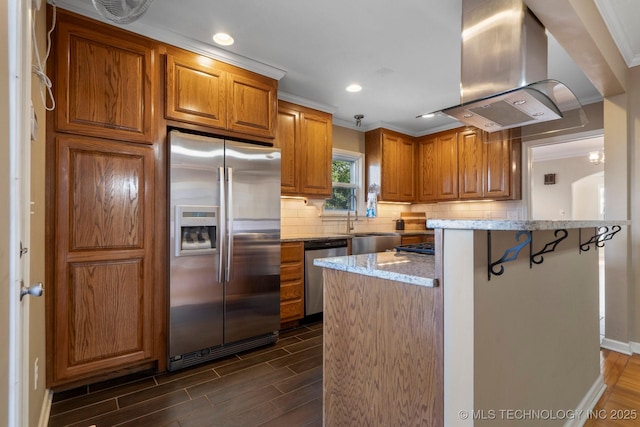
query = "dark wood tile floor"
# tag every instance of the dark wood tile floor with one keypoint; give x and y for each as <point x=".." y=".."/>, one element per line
<point x="277" y="385"/>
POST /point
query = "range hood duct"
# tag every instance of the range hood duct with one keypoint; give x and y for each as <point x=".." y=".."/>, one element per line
<point x="504" y="72"/>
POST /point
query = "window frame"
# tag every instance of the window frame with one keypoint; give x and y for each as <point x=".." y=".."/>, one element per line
<point x="358" y="159"/>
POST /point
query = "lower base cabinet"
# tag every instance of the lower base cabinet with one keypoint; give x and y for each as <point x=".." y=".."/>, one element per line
<point x="417" y="238"/>
<point x="292" y="282"/>
<point x="100" y="305"/>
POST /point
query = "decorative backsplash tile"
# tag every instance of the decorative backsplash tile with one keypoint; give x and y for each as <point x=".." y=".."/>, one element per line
<point x="300" y="217"/>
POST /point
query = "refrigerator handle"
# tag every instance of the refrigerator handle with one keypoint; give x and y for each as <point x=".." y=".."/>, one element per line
<point x="230" y="218"/>
<point x="222" y="226"/>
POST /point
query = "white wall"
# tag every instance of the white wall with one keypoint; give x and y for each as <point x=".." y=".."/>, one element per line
<point x="555" y="201"/>
<point x="585" y="193"/>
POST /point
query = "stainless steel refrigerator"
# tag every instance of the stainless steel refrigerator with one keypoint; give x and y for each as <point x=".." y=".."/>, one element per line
<point x="224" y="249"/>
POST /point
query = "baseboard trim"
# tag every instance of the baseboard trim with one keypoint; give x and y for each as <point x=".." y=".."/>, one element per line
<point x="45" y="411"/>
<point x="635" y="347"/>
<point x="587" y="404"/>
<point x="619" y="346"/>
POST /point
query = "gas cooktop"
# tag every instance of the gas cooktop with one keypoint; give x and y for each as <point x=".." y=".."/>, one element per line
<point x="420" y="248"/>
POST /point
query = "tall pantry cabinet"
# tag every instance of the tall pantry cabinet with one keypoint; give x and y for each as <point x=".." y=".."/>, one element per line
<point x="104" y="305"/>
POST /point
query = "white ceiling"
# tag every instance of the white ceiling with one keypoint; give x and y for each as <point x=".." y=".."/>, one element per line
<point x="405" y="54"/>
<point x="568" y="149"/>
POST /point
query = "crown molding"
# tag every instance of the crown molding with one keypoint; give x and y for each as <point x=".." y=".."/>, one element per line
<point x="295" y="99"/>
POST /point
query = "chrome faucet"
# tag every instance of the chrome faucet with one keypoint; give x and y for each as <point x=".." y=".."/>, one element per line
<point x="355" y="209"/>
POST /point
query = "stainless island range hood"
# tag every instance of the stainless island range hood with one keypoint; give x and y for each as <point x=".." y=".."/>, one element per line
<point x="504" y="72"/>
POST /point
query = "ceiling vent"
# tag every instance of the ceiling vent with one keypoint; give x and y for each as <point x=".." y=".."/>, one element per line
<point x="504" y="72"/>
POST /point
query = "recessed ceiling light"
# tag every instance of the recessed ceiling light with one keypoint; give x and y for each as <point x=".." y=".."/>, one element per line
<point x="354" y="88"/>
<point x="223" y="39"/>
<point x="428" y="116"/>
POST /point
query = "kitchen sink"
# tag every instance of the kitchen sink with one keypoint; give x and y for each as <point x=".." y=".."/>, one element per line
<point x="366" y="243"/>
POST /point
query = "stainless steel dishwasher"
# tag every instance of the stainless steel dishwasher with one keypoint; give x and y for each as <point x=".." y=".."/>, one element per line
<point x="314" y="249"/>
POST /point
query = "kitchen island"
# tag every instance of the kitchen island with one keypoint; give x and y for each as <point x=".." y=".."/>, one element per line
<point x="500" y="327"/>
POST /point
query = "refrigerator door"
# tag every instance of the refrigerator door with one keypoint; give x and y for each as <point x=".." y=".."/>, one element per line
<point x="195" y="295"/>
<point x="252" y="304"/>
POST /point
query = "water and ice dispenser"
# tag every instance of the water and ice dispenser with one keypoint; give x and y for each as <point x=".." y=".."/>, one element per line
<point x="196" y="230"/>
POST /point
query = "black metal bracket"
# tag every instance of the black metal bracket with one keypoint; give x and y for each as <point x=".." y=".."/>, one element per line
<point x="496" y="268"/>
<point x="602" y="234"/>
<point x="537" y="258"/>
<point x="510" y="254"/>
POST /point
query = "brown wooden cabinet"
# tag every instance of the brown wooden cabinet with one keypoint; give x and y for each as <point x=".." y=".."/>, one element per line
<point x="105" y="81"/>
<point x="427" y="188"/>
<point x="446" y="168"/>
<point x="468" y="164"/>
<point x="205" y="92"/>
<point x="305" y="141"/>
<point x="502" y="172"/>
<point x="196" y="91"/>
<point x="389" y="158"/>
<point x="104" y="281"/>
<point x="292" y="281"/>
<point x="416" y="238"/>
<point x="101" y="306"/>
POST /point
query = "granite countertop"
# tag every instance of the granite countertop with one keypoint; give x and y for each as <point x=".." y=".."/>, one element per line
<point x="415" y="269"/>
<point x="320" y="236"/>
<point x="531" y="225"/>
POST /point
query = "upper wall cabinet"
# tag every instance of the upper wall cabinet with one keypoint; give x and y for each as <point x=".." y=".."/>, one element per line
<point x="468" y="164"/>
<point x="389" y="158"/>
<point x="195" y="90"/>
<point x="105" y="81"/>
<point x="305" y="141"/>
<point x="207" y="92"/>
<point x="502" y="172"/>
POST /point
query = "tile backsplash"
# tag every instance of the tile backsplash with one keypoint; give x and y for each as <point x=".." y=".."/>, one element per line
<point x="305" y="217"/>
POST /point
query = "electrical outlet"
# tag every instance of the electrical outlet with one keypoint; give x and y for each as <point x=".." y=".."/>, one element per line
<point x="35" y="374"/>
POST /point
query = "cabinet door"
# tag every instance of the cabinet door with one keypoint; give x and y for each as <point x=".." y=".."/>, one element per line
<point x="390" y="185"/>
<point x="497" y="173"/>
<point x="470" y="165"/>
<point x="427" y="183"/>
<point x="104" y="82"/>
<point x="252" y="104"/>
<point x="315" y="154"/>
<point x="288" y="137"/>
<point x="405" y="171"/>
<point x="447" y="166"/>
<point x="196" y="91"/>
<point x="100" y="304"/>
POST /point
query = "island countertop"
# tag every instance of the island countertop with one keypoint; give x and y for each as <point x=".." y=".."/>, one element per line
<point x="515" y="225"/>
<point x="415" y="269"/>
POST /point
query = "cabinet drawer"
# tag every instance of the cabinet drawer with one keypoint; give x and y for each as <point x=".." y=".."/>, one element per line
<point x="290" y="272"/>
<point x="291" y="291"/>
<point x="292" y="252"/>
<point x="417" y="238"/>
<point x="291" y="310"/>
<point x="409" y="240"/>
